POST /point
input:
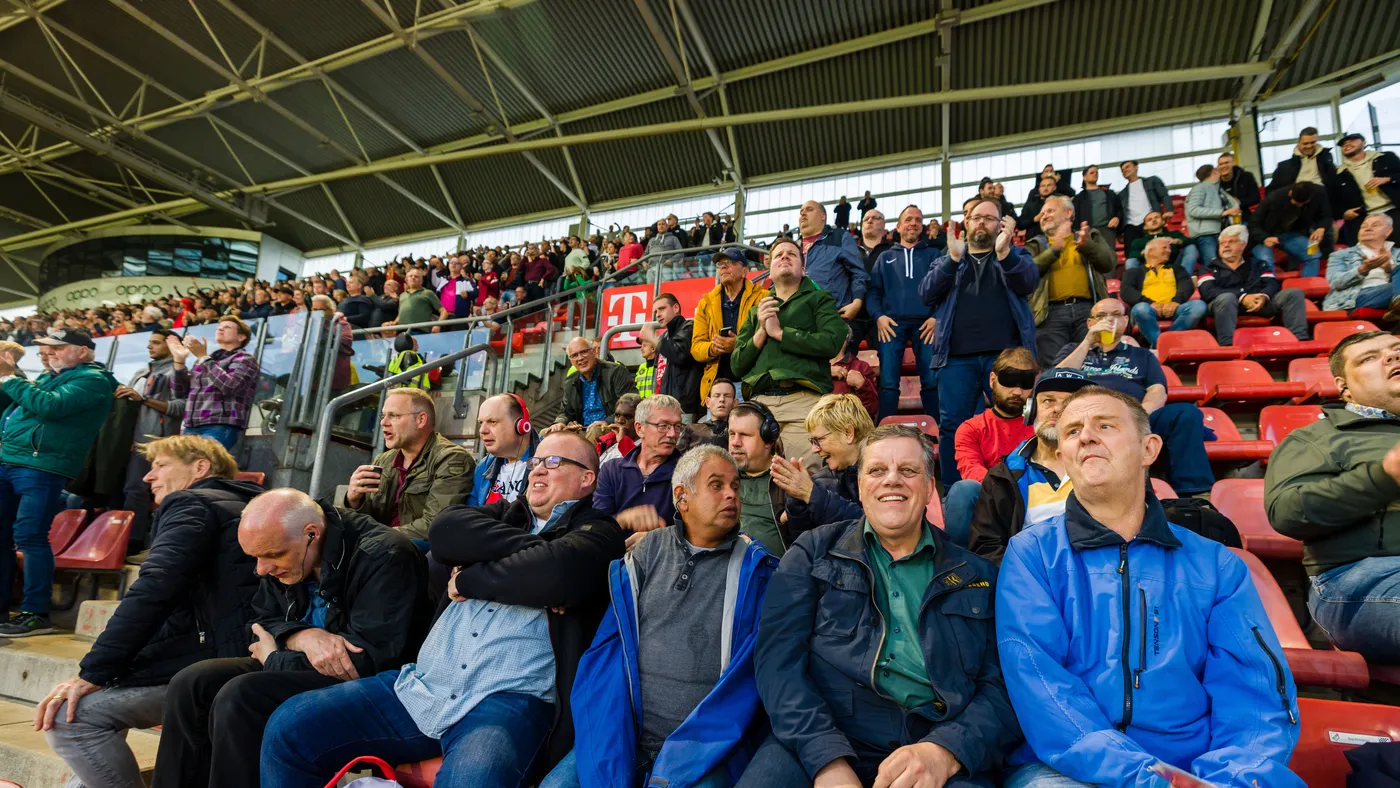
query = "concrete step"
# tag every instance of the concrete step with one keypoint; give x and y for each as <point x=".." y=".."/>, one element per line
<point x="30" y="667"/>
<point x="25" y="757"/>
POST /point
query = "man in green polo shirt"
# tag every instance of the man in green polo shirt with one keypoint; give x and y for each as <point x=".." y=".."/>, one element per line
<point x="418" y="304"/>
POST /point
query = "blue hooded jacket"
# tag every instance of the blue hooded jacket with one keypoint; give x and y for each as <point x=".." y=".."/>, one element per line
<point x="719" y="733"/>
<point x="894" y="282"/>
<point x="940" y="287"/>
<point x="1118" y="655"/>
<point x="835" y="264"/>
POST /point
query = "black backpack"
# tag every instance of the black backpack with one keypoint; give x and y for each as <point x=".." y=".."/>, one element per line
<point x="1199" y="516"/>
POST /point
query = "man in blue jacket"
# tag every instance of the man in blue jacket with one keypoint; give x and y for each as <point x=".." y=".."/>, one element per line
<point x="1130" y="643"/>
<point x="901" y="317"/>
<point x="833" y="260"/>
<point x="978" y="292"/>
<point x="666" y="694"/>
<point x="875" y="652"/>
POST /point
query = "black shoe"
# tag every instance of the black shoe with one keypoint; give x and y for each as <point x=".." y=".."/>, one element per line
<point x="26" y="624"/>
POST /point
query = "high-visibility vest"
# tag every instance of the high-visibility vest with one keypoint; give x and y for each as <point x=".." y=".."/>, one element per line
<point x="403" y="362"/>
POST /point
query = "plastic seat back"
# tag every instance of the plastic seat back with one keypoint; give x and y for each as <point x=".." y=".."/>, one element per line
<point x="1219" y="422"/>
<point x="1331" y="727"/>
<point x="256" y="477"/>
<point x="1162" y="489"/>
<point x="1264" y="335"/>
<point x="934" y="512"/>
<point x="1214" y="373"/>
<point x="418" y="775"/>
<point x="1194" y="339"/>
<point x="66" y="526"/>
<point x="1286" y="628"/>
<point x="1316" y="373"/>
<point x="102" y="545"/>
<point x="1335" y="332"/>
<point x="1242" y="500"/>
<point x="926" y="424"/>
<point x="1276" y="421"/>
<point x="1313" y="287"/>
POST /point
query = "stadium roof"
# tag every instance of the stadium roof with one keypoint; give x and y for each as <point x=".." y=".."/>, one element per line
<point x="360" y="120"/>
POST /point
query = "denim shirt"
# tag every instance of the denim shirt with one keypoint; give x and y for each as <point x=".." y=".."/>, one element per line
<point x="475" y="649"/>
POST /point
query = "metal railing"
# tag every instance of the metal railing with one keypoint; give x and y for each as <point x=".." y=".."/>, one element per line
<point x="322" y="439"/>
<point x="603" y="350"/>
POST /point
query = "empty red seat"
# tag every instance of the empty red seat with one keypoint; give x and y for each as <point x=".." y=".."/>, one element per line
<point x="1276" y="421"/>
<point x="1229" y="446"/>
<point x="65" y="528"/>
<point x="1368" y="313"/>
<point x="1237" y="382"/>
<point x="1271" y="343"/>
<point x="1242" y="500"/>
<point x="1316" y="373"/>
<point x="909" y="400"/>
<point x="1192" y="347"/>
<point x="1176" y="392"/>
<point x="1328" y="728"/>
<point x="907" y="366"/>
<point x="1162" y="489"/>
<point x="1333" y="332"/>
<point x="256" y="477"/>
<point x="928" y="424"/>
<point x="1310" y="666"/>
<point x="1313" y="287"/>
<point x="102" y="544"/>
<point x="1316" y="314"/>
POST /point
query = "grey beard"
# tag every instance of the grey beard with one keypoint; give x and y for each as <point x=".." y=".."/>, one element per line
<point x="1049" y="436"/>
<point x="980" y="240"/>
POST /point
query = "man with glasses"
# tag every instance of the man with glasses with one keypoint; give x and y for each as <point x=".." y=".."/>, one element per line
<point x="978" y="292"/>
<point x="592" y="393"/>
<point x="720" y="315"/>
<point x="637" y="488"/>
<point x="490" y="692"/>
<point x="1106" y="360"/>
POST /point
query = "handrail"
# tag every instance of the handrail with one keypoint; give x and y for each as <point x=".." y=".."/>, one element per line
<point x="612" y="332"/>
<point x="323" y="429"/>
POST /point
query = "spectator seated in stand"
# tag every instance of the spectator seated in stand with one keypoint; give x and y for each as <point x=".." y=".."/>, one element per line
<point x="592" y="393"/>
<point x="700" y="715"/>
<point x="1030" y="485"/>
<point x="1136" y="373"/>
<point x="1182" y="251"/>
<point x="1231" y="284"/>
<point x="341" y="596"/>
<point x="503" y="425"/>
<point x="987" y="438"/>
<point x="1158" y="289"/>
<point x="637" y="488"/>
<point x="191" y="602"/>
<point x="420" y="474"/>
<point x="935" y="712"/>
<point x="1297" y="220"/>
<point x="1333" y="484"/>
<point x="219" y="385"/>
<point x="754" y="443"/>
<point x="1212" y="695"/>
<point x="838" y="425"/>
<point x="850" y="375"/>
<point x="528" y="590"/>
<point x="1363" y="276"/>
<point x="617" y="438"/>
<point x="718" y="405"/>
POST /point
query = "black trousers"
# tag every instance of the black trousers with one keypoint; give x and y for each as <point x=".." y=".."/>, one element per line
<point x="215" y="712"/>
<point x="1067" y="322"/>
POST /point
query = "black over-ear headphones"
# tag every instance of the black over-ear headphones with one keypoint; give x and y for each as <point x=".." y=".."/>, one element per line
<point x="768" y="429"/>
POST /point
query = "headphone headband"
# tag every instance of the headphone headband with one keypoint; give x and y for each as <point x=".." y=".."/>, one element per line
<point x="522" y="424"/>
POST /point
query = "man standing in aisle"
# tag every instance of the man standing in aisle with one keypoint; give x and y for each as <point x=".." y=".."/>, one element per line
<point x="832" y="260"/>
<point x="1366" y="186"/>
<point x="1099" y="206"/>
<point x="901" y="318"/>
<point x="786" y="344"/>
<point x="978" y="292"/>
<point x="1072" y="266"/>
<point x="46" y="429"/>
<point x="1139" y="197"/>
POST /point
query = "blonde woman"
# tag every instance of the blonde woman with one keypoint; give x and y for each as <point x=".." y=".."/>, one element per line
<point x="838" y="426"/>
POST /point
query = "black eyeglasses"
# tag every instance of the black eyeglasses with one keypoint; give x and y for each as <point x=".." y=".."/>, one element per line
<point x="552" y="462"/>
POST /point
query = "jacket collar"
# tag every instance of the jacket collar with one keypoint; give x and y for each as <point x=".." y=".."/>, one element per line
<point x="1343" y="419"/>
<point x="342" y="535"/>
<point x="662" y="472"/>
<point x="951" y="570"/>
<point x="520" y="515"/>
<point x="1086" y="533"/>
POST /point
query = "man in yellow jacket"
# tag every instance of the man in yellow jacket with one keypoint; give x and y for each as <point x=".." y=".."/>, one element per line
<point x="720" y="315"/>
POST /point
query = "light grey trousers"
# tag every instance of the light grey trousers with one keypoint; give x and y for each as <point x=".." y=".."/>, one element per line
<point x="94" y="744"/>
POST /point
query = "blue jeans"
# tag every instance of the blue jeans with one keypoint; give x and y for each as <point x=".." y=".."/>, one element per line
<point x="1358" y="605"/>
<point x="29" y="499"/>
<point x="957" y="510"/>
<point x="225" y="434"/>
<point x="1296" y="246"/>
<point x="965" y="388"/>
<point x="565" y="775"/>
<point x="312" y="735"/>
<point x="1186" y="317"/>
<point x="1378" y="297"/>
<point x="1183" y="447"/>
<point x="906" y="332"/>
<point x="1038" y="775"/>
<point x="1208" y="246"/>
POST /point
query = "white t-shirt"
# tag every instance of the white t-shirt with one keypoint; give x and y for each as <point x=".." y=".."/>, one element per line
<point x="510" y="482"/>
<point x="1376" y="277"/>
<point x="1138" y="207"/>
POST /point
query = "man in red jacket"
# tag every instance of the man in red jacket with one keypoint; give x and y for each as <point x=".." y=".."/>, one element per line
<point x="985" y="439"/>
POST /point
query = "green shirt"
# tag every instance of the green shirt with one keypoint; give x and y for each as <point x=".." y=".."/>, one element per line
<point x="420" y="306"/>
<point x="899" y="592"/>
<point x="756" y="512"/>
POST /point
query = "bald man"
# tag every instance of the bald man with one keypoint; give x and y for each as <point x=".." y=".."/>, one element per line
<point x="591" y="395"/>
<point x="341" y="597"/>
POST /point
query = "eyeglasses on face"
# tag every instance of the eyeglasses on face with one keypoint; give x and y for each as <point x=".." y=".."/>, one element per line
<point x="552" y="462"/>
<point x="580" y="354"/>
<point x="664" y="427"/>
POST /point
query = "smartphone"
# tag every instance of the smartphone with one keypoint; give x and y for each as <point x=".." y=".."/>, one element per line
<point x="727" y="331"/>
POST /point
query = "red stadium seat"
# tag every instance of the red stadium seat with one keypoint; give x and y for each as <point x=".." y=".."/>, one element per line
<point x="909" y="399"/>
<point x="1176" y="392"/>
<point x="1367" y="313"/>
<point x="1245" y="382"/>
<point x="1229" y="446"/>
<point x="1315" y="314"/>
<point x="1333" y="332"/>
<point x="1310" y="666"/>
<point x="934" y="512"/>
<point x="1272" y="343"/>
<point x="101" y="546"/>
<point x="256" y="477"/>
<point x="418" y="775"/>
<point x="1331" y="727"/>
<point x="1193" y="347"/>
<point x="1317" y="374"/>
<point x="1313" y="287"/>
<point x="928" y="424"/>
<point x="1276" y="421"/>
<point x="1242" y="500"/>
<point x="65" y="527"/>
<point x="1162" y="489"/>
<point x="908" y="366"/>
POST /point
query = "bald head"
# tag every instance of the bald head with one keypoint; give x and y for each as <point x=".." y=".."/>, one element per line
<point x="284" y="530"/>
<point x="583" y="356"/>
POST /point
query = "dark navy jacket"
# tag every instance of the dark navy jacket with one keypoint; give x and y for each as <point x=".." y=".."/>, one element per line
<point x="1018" y="276"/>
<point x="835" y="263"/>
<point x="894" y="282"/>
<point x="820" y="634"/>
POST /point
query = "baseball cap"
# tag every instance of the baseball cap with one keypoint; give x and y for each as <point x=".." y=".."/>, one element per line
<point x="1057" y="379"/>
<point x="1351" y="136"/>
<point x="733" y="253"/>
<point x="67" y="337"/>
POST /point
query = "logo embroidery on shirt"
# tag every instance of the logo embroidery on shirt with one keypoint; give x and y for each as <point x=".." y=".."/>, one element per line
<point x="979" y="584"/>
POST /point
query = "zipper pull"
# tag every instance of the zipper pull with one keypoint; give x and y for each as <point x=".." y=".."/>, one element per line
<point x="1122" y="565"/>
<point x="1292" y="715"/>
<point x="201" y="637"/>
<point x="1137" y="679"/>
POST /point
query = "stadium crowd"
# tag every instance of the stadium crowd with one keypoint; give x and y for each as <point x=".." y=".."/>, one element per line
<point x="744" y="496"/>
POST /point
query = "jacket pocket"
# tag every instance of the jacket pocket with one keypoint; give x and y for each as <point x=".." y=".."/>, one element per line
<point x="1280" y="678"/>
<point x="968" y="612"/>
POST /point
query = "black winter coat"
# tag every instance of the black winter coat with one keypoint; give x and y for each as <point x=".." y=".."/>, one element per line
<point x="1081" y="206"/>
<point x="1286" y="173"/>
<point x="565" y="567"/>
<point x="375" y="583"/>
<point x="193" y="598"/>
<point x="682" y="378"/>
<point x="1277" y="215"/>
<point x="1244" y="188"/>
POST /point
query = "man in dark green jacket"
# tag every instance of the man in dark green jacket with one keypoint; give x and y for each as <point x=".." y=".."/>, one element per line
<point x="48" y="425"/>
<point x="1335" y="484"/>
<point x="592" y="393"/>
<point x="786" y="344"/>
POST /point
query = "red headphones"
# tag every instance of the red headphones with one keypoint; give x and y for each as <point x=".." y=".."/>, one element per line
<point x="522" y="424"/>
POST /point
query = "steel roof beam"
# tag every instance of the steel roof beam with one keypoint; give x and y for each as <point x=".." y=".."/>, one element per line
<point x="8" y="21"/>
<point x="11" y="263"/>
<point x="710" y="65"/>
<point x="1251" y="88"/>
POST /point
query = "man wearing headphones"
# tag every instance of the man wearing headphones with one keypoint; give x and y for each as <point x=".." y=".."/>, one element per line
<point x="503" y="423"/>
<point x="753" y="440"/>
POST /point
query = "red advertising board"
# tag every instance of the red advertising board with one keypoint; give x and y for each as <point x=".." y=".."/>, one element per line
<point x="632" y="304"/>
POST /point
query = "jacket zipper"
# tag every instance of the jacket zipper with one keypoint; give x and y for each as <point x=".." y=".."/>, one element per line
<point x="1280" y="681"/>
<point x="627" y="671"/>
<point x="1142" y="640"/>
<point x="884" y="630"/>
<point x="1127" y="639"/>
